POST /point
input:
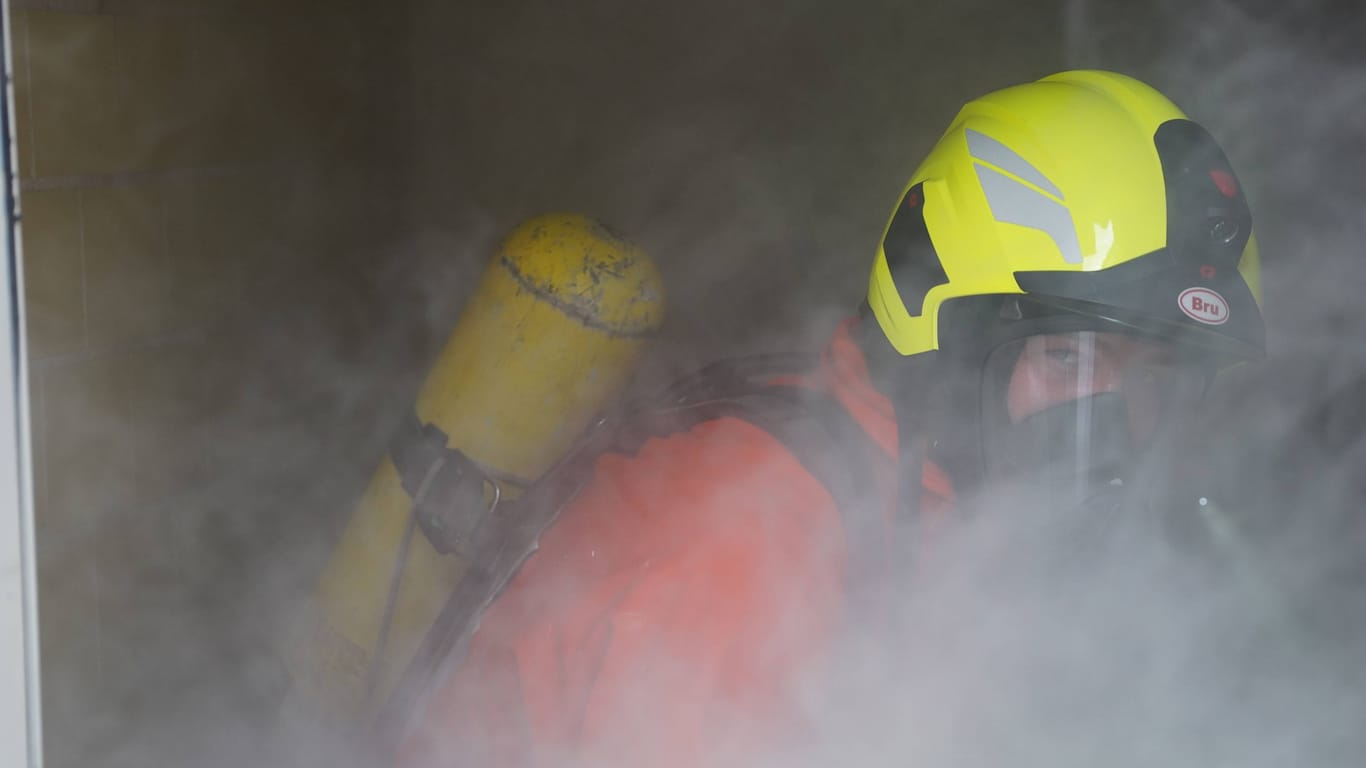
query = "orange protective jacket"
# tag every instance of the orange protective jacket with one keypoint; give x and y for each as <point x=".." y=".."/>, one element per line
<point x="672" y="610"/>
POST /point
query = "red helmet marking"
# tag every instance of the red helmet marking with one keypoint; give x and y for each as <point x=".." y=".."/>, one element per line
<point x="1224" y="181"/>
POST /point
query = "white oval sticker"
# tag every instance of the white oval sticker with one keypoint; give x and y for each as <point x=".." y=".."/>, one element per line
<point x="1204" y="305"/>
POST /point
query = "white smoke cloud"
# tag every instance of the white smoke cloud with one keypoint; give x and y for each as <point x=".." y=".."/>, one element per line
<point x="757" y="158"/>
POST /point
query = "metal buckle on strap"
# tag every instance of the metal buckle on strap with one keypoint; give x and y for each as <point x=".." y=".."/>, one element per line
<point x="448" y="489"/>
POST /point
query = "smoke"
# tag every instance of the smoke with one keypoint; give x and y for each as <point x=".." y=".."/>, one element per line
<point x="755" y="152"/>
<point x="1007" y="645"/>
<point x="1237" y="642"/>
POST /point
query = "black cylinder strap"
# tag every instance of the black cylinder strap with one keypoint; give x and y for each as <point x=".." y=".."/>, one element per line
<point x="447" y="488"/>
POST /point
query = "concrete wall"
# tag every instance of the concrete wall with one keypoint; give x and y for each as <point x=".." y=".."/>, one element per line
<point x="756" y="149"/>
<point x="193" y="175"/>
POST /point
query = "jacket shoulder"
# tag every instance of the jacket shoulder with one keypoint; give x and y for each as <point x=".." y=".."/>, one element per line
<point x="709" y="478"/>
<point x="723" y="493"/>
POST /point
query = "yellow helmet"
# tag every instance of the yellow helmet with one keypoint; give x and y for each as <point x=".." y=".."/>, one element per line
<point x="1086" y="190"/>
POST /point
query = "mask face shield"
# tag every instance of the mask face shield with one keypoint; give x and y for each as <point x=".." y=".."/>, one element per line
<point x="1071" y="414"/>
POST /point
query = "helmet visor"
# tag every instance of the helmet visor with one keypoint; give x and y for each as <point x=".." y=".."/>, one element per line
<point x="1081" y="406"/>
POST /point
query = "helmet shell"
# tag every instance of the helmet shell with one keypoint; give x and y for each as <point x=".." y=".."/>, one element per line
<point x="1088" y="189"/>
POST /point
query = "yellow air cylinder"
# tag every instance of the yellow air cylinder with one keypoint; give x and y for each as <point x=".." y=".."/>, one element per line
<point x="550" y="335"/>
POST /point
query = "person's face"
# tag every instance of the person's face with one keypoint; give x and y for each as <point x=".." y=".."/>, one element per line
<point x="1055" y="369"/>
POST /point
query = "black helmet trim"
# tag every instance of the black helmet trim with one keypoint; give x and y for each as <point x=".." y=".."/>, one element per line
<point x="1208" y="220"/>
<point x="1203" y="305"/>
<point x="911" y="257"/>
<point x="1191" y="288"/>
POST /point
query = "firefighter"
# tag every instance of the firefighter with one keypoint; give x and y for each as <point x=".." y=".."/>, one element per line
<point x="1060" y="280"/>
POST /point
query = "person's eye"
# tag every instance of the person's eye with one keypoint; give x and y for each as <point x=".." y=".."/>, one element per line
<point x="1063" y="355"/>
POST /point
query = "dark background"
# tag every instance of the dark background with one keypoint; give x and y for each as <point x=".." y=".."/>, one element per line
<point x="353" y="164"/>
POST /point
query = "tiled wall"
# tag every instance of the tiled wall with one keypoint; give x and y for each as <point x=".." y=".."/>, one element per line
<point x="187" y="169"/>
